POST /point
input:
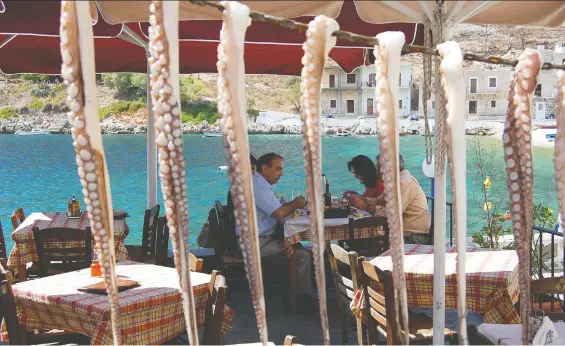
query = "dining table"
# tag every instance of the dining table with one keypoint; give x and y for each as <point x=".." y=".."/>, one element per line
<point x="297" y="229"/>
<point x="491" y="281"/>
<point x="151" y="313"/>
<point x="24" y="250"/>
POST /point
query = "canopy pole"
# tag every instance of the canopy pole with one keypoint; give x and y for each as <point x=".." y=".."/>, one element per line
<point x="440" y="33"/>
<point x="151" y="147"/>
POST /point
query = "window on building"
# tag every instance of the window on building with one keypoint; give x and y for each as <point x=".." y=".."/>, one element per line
<point x="372" y="80"/>
<point x="492" y="82"/>
<point x="350" y="106"/>
<point x="538" y="90"/>
<point x="493" y="104"/>
<point x="369" y="106"/>
<point x="399" y="104"/>
<point x="332" y="81"/>
<point x="473" y="85"/>
<point x="350" y="78"/>
<point x="540" y="106"/>
<point x="433" y="104"/>
<point x="400" y="79"/>
<point x="333" y="104"/>
<point x="563" y="62"/>
<point x="472" y="107"/>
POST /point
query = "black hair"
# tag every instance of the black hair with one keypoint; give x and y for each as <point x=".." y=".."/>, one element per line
<point x="365" y="167"/>
<point x="267" y="159"/>
<point x="401" y="165"/>
<point x="253" y="160"/>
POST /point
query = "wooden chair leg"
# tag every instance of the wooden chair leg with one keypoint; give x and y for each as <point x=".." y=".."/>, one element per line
<point x="359" y="331"/>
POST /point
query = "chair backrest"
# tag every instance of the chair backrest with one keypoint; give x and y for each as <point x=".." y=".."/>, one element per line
<point x="8" y="311"/>
<point x="162" y="242"/>
<point x="545" y="293"/>
<point x="379" y="303"/>
<point x="195" y="263"/>
<point x="3" y="253"/>
<point x="217" y="296"/>
<point x="373" y="246"/>
<point x="49" y="244"/>
<point x="290" y="340"/>
<point x="227" y="225"/>
<point x="150" y="224"/>
<point x="17" y="217"/>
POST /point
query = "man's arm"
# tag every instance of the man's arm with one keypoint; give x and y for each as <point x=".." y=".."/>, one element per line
<point x="288" y="208"/>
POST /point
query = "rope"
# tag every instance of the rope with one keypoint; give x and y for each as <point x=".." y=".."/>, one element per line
<point x="427" y="92"/>
<point x="440" y="110"/>
<point x="369" y="40"/>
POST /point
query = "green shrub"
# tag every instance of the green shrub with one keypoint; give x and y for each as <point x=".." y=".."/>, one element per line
<point x="119" y="108"/>
<point x="34" y="77"/>
<point x="8" y="112"/>
<point x="127" y="84"/>
<point x="187" y="117"/>
<point x="47" y="108"/>
<point x="43" y="90"/>
<point x="36" y="104"/>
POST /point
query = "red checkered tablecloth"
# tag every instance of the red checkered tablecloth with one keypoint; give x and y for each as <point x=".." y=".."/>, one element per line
<point x="492" y="281"/>
<point x="150" y="314"/>
<point x="332" y="233"/>
<point x="24" y="250"/>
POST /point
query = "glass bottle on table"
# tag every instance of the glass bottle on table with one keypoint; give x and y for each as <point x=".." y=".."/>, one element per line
<point x="327" y="195"/>
<point x="96" y="267"/>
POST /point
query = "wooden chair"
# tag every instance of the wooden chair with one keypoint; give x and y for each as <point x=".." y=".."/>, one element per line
<point x="546" y="296"/>
<point x="381" y="316"/>
<point x="146" y="252"/>
<point x="162" y="249"/>
<point x="291" y="340"/>
<point x="345" y="271"/>
<point x="16" y="333"/>
<point x="215" y="309"/>
<point x="66" y="259"/>
<point x="3" y="253"/>
<point x="368" y="247"/>
<point x="18" y="217"/>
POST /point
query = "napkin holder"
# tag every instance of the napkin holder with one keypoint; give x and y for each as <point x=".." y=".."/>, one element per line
<point x="100" y="287"/>
<point x="543" y="330"/>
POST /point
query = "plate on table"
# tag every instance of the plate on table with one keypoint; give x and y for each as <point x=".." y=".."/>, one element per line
<point x="100" y="287"/>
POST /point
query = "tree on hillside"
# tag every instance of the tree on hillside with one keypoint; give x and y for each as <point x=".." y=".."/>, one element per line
<point x="293" y="94"/>
<point x="252" y="112"/>
<point x="127" y="84"/>
<point x="192" y="89"/>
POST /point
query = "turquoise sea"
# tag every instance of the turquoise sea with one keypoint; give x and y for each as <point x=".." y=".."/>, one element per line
<point x="39" y="173"/>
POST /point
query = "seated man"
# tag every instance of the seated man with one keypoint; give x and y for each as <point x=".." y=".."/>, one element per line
<point x="270" y="212"/>
<point x="416" y="218"/>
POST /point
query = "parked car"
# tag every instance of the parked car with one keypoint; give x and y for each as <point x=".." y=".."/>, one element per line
<point x="329" y="116"/>
<point x="414" y="117"/>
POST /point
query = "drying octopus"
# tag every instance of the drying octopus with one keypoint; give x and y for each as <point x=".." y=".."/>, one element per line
<point x="518" y="155"/>
<point x="78" y="71"/>
<point x="559" y="160"/>
<point x="165" y="93"/>
<point x="233" y="125"/>
<point x="318" y="43"/>
<point x="387" y="62"/>
<point x="451" y="68"/>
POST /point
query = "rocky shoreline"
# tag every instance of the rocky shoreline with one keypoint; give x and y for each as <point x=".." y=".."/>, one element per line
<point x="60" y="125"/>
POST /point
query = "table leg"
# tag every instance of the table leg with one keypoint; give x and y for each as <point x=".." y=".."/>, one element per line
<point x="292" y="279"/>
<point x="22" y="272"/>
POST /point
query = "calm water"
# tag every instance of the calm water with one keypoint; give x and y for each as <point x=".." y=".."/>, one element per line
<point x="39" y="173"/>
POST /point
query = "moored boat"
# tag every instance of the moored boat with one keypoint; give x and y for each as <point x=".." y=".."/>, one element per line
<point x="33" y="132"/>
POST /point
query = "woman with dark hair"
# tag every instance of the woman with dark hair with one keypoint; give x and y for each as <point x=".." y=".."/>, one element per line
<point x="365" y="170"/>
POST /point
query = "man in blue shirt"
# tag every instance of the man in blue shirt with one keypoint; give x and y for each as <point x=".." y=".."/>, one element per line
<point x="270" y="214"/>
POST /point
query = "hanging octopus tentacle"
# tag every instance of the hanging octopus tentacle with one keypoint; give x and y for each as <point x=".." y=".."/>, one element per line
<point x="165" y="93"/>
<point x="518" y="154"/>
<point x="318" y="43"/>
<point x="387" y="62"/>
<point x="233" y="124"/>
<point x="453" y="84"/>
<point x="559" y="161"/>
<point x="78" y="71"/>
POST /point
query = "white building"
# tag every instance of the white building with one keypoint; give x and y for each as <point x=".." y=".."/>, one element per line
<point x="353" y="94"/>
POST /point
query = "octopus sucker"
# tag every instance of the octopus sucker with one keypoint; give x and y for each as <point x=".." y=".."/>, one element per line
<point x="387" y="63"/>
<point x="451" y="68"/>
<point x="78" y="70"/>
<point x="559" y="161"/>
<point x="518" y="156"/>
<point x="233" y="124"/>
<point x="316" y="49"/>
<point x="165" y="93"/>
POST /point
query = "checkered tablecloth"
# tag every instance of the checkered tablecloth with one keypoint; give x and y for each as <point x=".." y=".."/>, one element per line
<point x="150" y="314"/>
<point x="492" y="281"/>
<point x="24" y="250"/>
<point x="340" y="232"/>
